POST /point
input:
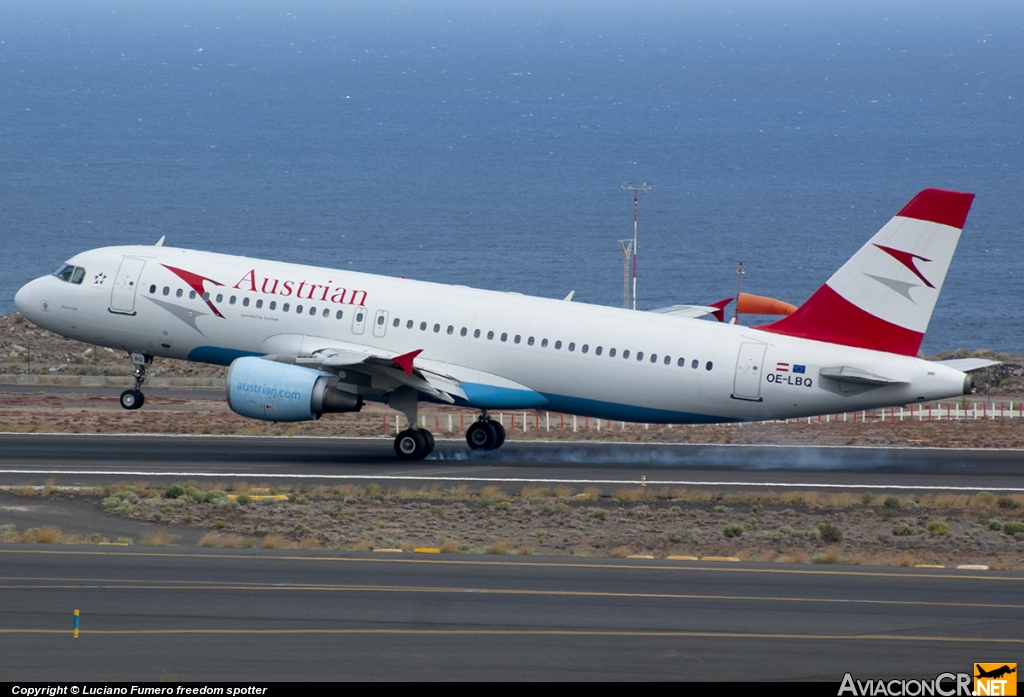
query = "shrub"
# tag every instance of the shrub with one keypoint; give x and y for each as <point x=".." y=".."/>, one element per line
<point x="938" y="527"/>
<point x="174" y="491"/>
<point x="902" y="530"/>
<point x="1013" y="527"/>
<point x="1007" y="502"/>
<point x="733" y="530"/>
<point x="597" y="514"/>
<point x="829" y="532"/>
<point x="891" y="502"/>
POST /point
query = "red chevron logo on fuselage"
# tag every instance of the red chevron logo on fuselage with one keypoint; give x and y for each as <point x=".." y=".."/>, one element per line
<point x="195" y="282"/>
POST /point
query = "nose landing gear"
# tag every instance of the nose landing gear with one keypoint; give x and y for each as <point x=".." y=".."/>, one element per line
<point x="134" y="399"/>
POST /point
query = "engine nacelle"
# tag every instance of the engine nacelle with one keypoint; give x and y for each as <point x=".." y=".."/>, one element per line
<point x="270" y="391"/>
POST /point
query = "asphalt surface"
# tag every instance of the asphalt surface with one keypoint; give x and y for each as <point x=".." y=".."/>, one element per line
<point x="90" y="460"/>
<point x="256" y="615"/>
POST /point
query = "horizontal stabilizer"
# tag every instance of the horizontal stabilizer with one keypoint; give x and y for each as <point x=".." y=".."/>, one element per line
<point x="965" y="365"/>
<point x="856" y="376"/>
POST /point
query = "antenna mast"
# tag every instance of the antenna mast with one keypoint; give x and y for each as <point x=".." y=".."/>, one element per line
<point x="626" y="247"/>
<point x="645" y="187"/>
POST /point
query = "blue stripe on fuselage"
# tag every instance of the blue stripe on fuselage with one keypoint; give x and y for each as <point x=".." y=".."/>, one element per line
<point x="217" y="355"/>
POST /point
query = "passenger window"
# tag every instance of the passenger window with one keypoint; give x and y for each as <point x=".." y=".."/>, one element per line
<point x="206" y="296"/>
<point x="298" y="308"/>
<point x="490" y="335"/>
<point x="220" y="297"/>
<point x="625" y="354"/>
<point x="451" y="330"/>
<point x="681" y="362"/>
<point x="167" y="290"/>
<point x="708" y="366"/>
<point x="572" y="346"/>
<point x="517" y="339"/>
<point x="529" y="341"/>
<point x="232" y="300"/>
<point x="259" y="304"/>
<point x="639" y="355"/>
<point x="543" y="343"/>
<point x="558" y="345"/>
<point x="327" y="313"/>
<point x="408" y="325"/>
<point x="423" y="326"/>
<point x="312" y="312"/>
<point x="437" y="328"/>
<point x="668" y="360"/>
<point x="285" y="307"/>
<point x="585" y="348"/>
<point x="611" y="353"/>
<point x="380" y="320"/>
<point x="395" y="322"/>
<point x="504" y="336"/>
<point x="359" y="316"/>
<point x="273" y="304"/>
<point x="152" y="290"/>
<point x="337" y="315"/>
<point x="695" y="364"/>
<point x="179" y="293"/>
<point x="476" y="334"/>
<point x="598" y="350"/>
<point x="464" y="331"/>
<point x="654" y="358"/>
<point x="245" y="302"/>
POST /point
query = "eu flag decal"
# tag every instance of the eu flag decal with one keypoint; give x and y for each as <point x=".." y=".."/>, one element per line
<point x="797" y="368"/>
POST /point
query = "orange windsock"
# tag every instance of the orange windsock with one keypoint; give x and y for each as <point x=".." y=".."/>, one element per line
<point x="748" y="304"/>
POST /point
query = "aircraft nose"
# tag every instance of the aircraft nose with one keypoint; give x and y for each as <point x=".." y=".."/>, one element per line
<point x="25" y="298"/>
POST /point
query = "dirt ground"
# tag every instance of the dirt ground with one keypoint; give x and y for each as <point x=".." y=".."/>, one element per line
<point x="792" y="527"/>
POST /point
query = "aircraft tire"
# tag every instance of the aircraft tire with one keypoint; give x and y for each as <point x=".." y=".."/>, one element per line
<point x="499" y="434"/>
<point x="410" y="445"/>
<point x="481" y="435"/>
<point x="132" y="399"/>
<point x="429" y="438"/>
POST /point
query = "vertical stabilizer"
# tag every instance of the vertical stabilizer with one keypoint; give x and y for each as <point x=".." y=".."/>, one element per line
<point x="883" y="297"/>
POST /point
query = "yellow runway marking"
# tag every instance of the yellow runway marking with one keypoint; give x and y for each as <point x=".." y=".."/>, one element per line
<point x="529" y="632"/>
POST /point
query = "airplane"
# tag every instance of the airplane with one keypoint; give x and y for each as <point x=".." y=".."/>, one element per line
<point x="302" y="341"/>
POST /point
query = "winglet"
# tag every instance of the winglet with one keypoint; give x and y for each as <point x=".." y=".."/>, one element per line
<point x="720" y="308"/>
<point x="405" y="360"/>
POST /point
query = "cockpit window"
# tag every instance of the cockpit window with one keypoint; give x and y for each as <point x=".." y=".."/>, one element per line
<point x="70" y="274"/>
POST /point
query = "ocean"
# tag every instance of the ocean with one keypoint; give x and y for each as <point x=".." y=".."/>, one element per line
<point x="485" y="143"/>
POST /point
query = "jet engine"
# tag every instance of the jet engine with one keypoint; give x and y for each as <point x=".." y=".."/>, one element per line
<point x="262" y="389"/>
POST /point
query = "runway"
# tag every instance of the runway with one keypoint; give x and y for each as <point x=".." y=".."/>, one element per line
<point x="91" y="460"/>
<point x="251" y="615"/>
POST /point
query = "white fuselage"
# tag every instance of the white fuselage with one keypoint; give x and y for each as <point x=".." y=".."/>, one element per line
<point x="574" y="355"/>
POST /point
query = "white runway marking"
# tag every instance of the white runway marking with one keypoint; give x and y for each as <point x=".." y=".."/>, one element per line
<point x="508" y="480"/>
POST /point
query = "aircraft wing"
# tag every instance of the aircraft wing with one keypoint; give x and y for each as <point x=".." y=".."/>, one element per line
<point x="692" y="311"/>
<point x="379" y="371"/>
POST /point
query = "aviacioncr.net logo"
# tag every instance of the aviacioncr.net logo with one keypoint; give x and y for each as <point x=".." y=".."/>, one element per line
<point x="944" y="685"/>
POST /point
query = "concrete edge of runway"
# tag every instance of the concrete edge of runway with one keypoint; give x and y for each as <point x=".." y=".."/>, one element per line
<point x="532" y="443"/>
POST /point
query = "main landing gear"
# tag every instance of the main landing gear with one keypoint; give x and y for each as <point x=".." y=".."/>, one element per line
<point x="485" y="434"/>
<point x="414" y="444"/>
<point x="134" y="399"/>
